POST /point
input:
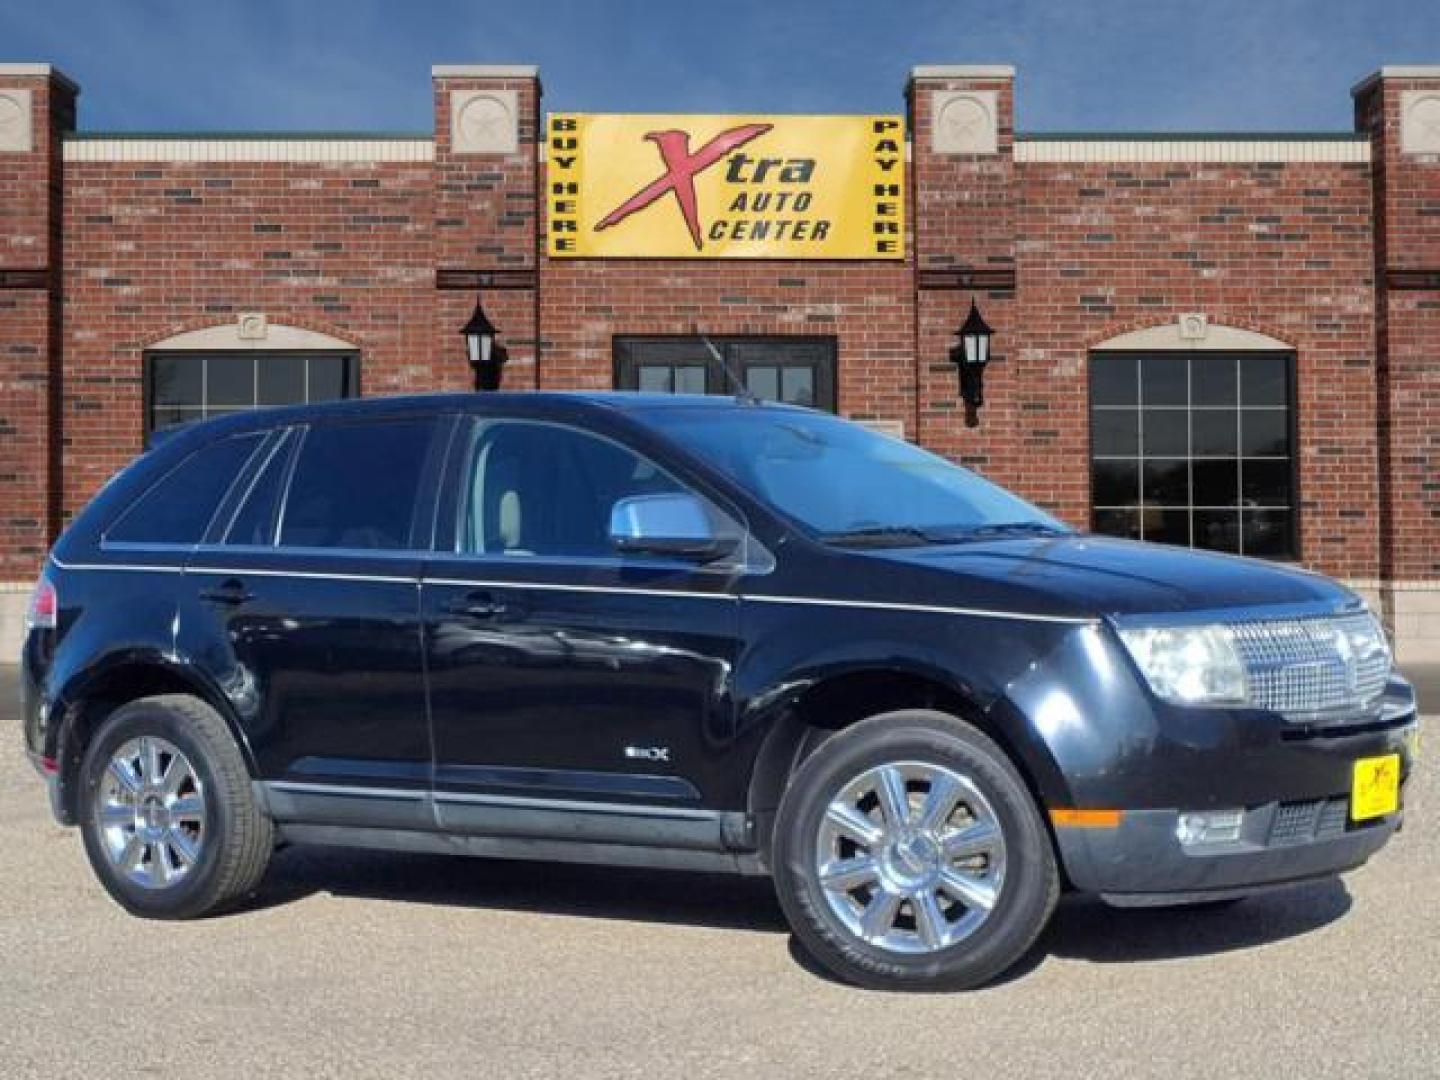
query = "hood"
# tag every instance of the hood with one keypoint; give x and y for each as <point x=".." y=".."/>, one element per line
<point x="1105" y="576"/>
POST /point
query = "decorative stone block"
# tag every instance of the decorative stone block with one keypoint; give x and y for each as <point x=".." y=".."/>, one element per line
<point x="965" y="122"/>
<point x="252" y="326"/>
<point x="484" y="122"/>
<point x="16" y="128"/>
<point x="1194" y="326"/>
<point x="1420" y="122"/>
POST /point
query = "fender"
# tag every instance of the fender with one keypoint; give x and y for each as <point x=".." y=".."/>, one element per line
<point x="128" y="673"/>
<point x="866" y="688"/>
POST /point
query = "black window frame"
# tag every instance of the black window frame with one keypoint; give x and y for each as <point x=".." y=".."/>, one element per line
<point x="278" y="449"/>
<point x="1291" y="406"/>
<point x="626" y="364"/>
<point x="148" y="361"/>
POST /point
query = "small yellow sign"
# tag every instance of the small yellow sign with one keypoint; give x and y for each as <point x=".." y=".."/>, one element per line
<point x="725" y="187"/>
<point x="1376" y="787"/>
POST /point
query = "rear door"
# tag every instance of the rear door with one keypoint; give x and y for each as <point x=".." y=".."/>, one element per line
<point x="573" y="691"/>
<point x="306" y="600"/>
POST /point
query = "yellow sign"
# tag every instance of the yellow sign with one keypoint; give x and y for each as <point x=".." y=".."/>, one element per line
<point x="725" y="187"/>
<point x="1375" y="788"/>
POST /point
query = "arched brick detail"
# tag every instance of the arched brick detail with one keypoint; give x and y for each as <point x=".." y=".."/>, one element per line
<point x="226" y="337"/>
<point x="343" y="337"/>
<point x="1278" y="338"/>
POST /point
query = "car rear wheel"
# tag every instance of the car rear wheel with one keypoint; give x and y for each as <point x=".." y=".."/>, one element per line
<point x="909" y="855"/>
<point x="170" y="824"/>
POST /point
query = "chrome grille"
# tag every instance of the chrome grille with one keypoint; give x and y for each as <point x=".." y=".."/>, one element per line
<point x="1315" y="664"/>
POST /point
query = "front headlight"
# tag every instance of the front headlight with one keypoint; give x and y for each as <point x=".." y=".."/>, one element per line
<point x="1365" y="635"/>
<point x="1189" y="665"/>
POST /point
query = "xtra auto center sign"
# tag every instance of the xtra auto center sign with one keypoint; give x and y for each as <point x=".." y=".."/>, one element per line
<point x="729" y="187"/>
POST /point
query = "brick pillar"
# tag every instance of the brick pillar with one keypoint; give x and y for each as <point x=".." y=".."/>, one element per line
<point x="964" y="192"/>
<point x="1400" y="108"/>
<point x="486" y="206"/>
<point x="37" y="105"/>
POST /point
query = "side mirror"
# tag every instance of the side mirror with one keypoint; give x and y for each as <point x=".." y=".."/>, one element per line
<point x="676" y="524"/>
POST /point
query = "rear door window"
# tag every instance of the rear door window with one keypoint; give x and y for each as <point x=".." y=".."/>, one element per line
<point x="355" y="486"/>
<point x="177" y="508"/>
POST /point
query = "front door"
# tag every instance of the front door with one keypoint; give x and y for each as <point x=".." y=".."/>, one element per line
<point x="573" y="692"/>
<point x="313" y="572"/>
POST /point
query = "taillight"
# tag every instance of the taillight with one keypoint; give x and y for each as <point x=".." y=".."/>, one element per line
<point x="44" y="604"/>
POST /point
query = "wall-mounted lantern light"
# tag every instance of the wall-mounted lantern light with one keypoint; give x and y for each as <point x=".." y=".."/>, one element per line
<point x="970" y="356"/>
<point x="486" y="355"/>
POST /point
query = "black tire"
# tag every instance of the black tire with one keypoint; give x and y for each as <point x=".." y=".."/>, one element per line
<point x="238" y="836"/>
<point x="1025" y="900"/>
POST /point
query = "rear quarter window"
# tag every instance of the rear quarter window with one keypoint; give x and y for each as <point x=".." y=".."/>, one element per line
<point x="177" y="508"/>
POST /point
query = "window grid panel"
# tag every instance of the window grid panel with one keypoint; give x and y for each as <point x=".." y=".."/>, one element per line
<point x="1254" y="517"/>
<point x="1140" y="446"/>
<point x="204" y="402"/>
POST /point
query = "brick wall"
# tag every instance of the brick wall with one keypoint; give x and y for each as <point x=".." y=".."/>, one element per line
<point x="486" y="224"/>
<point x="1407" y="257"/>
<point x="965" y="248"/>
<point x="30" y="357"/>
<point x="157" y="248"/>
<point x="1283" y="249"/>
<point x="1407" y="203"/>
<point x="866" y="307"/>
<point x="1101" y="248"/>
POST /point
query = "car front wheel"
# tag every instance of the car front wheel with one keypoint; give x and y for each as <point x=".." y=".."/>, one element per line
<point x="909" y="855"/>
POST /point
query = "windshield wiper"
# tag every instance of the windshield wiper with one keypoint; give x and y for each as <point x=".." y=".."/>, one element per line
<point x="914" y="535"/>
<point x="1012" y="528"/>
<point x="880" y="536"/>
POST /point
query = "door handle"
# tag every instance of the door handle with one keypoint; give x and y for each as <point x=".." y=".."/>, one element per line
<point x="478" y="605"/>
<point x="230" y="591"/>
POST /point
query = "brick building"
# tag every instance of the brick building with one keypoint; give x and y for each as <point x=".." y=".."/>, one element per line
<point x="1223" y="340"/>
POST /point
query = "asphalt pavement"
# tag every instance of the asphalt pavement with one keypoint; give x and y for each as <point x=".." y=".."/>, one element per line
<point x="353" y="964"/>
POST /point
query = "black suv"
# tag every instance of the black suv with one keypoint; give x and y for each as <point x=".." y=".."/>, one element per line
<point x="691" y="633"/>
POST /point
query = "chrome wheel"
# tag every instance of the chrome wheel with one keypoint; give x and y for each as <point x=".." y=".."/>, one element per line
<point x="911" y="857"/>
<point x="150" y="812"/>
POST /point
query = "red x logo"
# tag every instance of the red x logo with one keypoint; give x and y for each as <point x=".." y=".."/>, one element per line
<point x="681" y="168"/>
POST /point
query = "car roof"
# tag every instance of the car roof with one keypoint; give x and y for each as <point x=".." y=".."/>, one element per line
<point x="568" y="403"/>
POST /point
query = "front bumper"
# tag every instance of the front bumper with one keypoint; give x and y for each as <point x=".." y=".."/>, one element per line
<point x="1096" y="739"/>
<point x="1142" y="861"/>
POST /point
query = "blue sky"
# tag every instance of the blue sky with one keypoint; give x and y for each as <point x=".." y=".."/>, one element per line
<point x="364" y="64"/>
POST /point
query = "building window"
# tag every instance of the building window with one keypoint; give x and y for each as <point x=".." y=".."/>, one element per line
<point x="797" y="370"/>
<point x="183" y="387"/>
<point x="1195" y="449"/>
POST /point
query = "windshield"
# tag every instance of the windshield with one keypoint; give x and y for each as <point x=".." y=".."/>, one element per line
<point x="846" y="483"/>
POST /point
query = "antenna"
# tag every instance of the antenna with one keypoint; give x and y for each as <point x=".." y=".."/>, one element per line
<point x="742" y="392"/>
